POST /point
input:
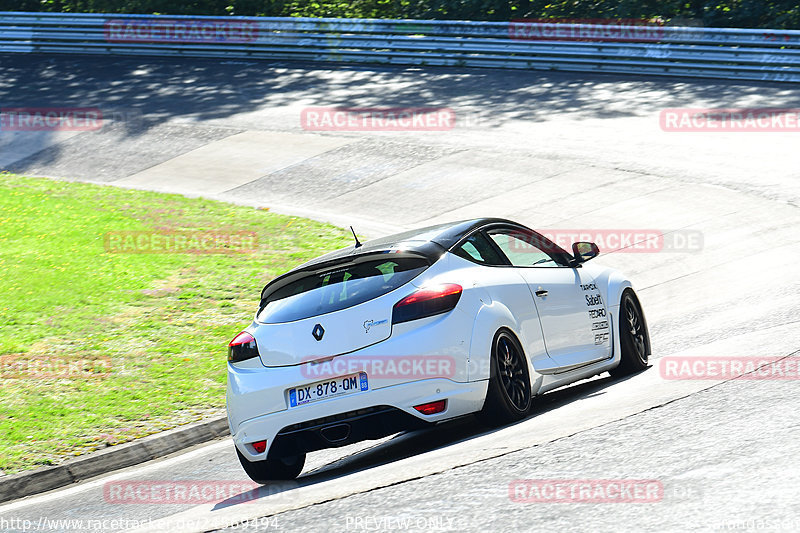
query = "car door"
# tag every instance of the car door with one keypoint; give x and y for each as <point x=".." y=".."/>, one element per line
<point x="504" y="284"/>
<point x="573" y="315"/>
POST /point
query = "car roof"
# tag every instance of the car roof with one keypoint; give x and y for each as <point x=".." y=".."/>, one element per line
<point x="428" y="241"/>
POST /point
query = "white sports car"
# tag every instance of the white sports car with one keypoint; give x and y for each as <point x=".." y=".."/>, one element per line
<point x="477" y="316"/>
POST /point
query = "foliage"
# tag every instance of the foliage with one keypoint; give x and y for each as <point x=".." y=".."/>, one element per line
<point x="98" y="348"/>
<point x="782" y="14"/>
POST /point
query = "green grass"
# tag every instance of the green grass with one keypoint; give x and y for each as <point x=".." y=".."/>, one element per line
<point x="146" y="332"/>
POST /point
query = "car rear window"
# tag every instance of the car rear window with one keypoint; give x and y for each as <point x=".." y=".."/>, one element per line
<point x="339" y="287"/>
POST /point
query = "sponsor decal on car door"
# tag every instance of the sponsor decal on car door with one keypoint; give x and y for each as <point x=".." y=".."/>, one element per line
<point x="574" y="316"/>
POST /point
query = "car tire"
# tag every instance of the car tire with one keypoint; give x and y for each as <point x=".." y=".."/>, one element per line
<point x="508" y="397"/>
<point x="273" y="468"/>
<point x="634" y="339"/>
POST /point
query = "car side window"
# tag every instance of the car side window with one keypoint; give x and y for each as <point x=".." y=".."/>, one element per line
<point x="523" y="249"/>
<point x="478" y="249"/>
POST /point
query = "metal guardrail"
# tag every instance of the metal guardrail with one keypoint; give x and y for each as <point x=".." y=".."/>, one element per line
<point x="739" y="54"/>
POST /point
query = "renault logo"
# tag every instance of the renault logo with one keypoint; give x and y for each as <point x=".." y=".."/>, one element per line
<point x="318" y="332"/>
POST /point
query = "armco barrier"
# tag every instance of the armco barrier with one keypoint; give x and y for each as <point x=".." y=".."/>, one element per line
<point x="738" y="54"/>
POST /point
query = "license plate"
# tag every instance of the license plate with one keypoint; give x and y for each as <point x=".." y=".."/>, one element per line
<point x="329" y="388"/>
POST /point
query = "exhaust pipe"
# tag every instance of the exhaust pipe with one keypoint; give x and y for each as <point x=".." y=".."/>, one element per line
<point x="335" y="433"/>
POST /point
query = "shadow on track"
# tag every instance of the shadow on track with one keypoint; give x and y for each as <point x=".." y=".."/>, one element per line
<point x="408" y="444"/>
<point x="173" y="100"/>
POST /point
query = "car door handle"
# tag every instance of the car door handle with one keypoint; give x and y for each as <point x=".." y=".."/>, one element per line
<point x="541" y="293"/>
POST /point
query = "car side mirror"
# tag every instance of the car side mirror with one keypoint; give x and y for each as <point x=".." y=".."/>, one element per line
<point x="583" y="251"/>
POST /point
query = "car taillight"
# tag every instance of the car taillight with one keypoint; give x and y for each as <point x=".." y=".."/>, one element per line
<point x="242" y="347"/>
<point x="426" y="302"/>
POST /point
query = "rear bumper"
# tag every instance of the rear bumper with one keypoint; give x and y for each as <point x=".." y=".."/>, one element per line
<point x="343" y="429"/>
<point x="423" y="361"/>
<point x="366" y="415"/>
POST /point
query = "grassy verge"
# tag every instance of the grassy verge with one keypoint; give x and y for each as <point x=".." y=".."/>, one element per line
<point x="99" y="347"/>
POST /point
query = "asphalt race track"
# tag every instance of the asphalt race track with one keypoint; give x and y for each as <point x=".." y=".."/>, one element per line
<point x="554" y="151"/>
